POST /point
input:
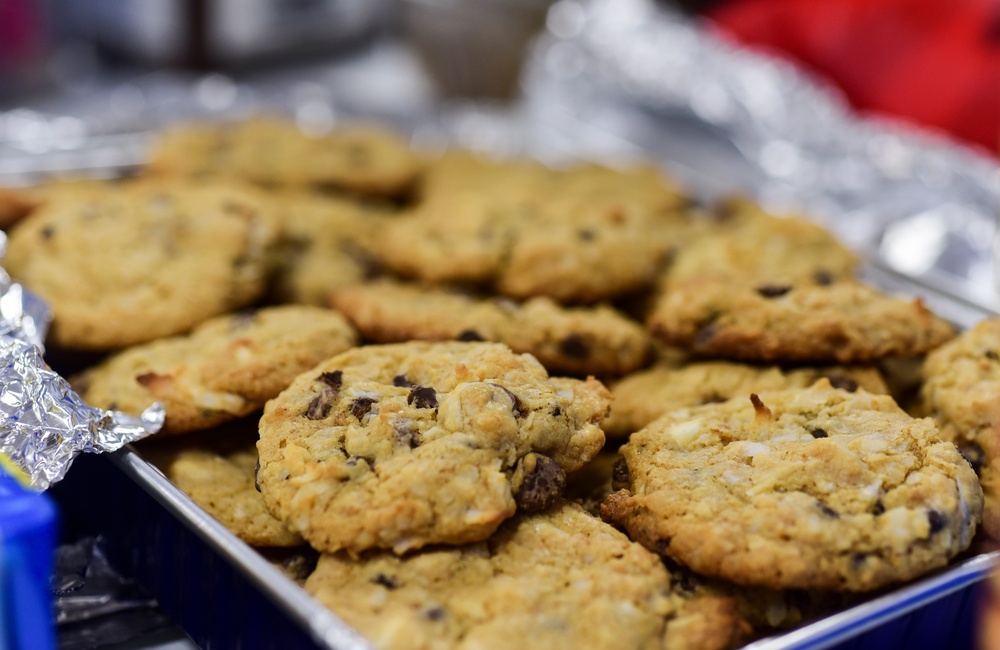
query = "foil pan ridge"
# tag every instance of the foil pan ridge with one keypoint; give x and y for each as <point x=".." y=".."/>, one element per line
<point x="44" y="424"/>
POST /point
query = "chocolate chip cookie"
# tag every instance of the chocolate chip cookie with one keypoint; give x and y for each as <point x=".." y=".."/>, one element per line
<point x="585" y="340"/>
<point x="841" y="322"/>
<point x="814" y="488"/>
<point x="644" y="396"/>
<point x="558" y="579"/>
<point x="326" y="242"/>
<point x="226" y="368"/>
<point x="126" y="265"/>
<point x="400" y="446"/>
<point x="961" y="391"/>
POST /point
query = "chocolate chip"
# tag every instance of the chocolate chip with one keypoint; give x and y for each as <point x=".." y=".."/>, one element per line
<point x="333" y="379"/>
<point x="515" y="404"/>
<point x="384" y="580"/>
<point x="301" y="565"/>
<point x="435" y="613"/>
<point x="319" y="407"/>
<point x="992" y="355"/>
<point x="858" y="560"/>
<point x="843" y="382"/>
<point x="406" y="433"/>
<point x="47" y="232"/>
<point x="662" y="546"/>
<point x="619" y="474"/>
<point x="878" y="508"/>
<point x="773" y="290"/>
<point x="828" y="511"/>
<point x="556" y="412"/>
<point x="585" y="235"/>
<point x="823" y="278"/>
<point x="575" y="346"/>
<point x="819" y="433"/>
<point x="422" y="397"/>
<point x="974" y="454"/>
<point x="537" y="482"/>
<point x="361" y="406"/>
<point x="469" y="335"/>
<point x="401" y="381"/>
<point x="256" y="476"/>
<point x="936" y="520"/>
<point x="704" y="334"/>
<point x="712" y="398"/>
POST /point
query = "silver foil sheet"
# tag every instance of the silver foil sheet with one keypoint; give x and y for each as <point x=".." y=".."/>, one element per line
<point x="728" y="119"/>
<point x="44" y="424"/>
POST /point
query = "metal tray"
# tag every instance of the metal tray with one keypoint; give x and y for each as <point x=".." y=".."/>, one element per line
<point x="226" y="595"/>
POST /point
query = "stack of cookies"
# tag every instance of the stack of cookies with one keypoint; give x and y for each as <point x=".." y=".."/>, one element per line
<point x="396" y="370"/>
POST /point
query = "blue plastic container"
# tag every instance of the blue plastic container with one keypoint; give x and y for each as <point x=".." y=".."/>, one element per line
<point x="27" y="545"/>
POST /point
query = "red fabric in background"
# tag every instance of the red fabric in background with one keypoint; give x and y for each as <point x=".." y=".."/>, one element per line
<point x="935" y="62"/>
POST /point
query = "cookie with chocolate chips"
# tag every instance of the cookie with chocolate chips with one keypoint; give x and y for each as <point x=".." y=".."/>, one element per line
<point x="326" y="243"/>
<point x="644" y="396"/>
<point x="842" y="322"/>
<point x="580" y="341"/>
<point x="814" y="488"/>
<point x="400" y="446"/>
<point x="567" y="239"/>
<point x="746" y="245"/>
<point x="275" y="153"/>
<point x="558" y="579"/>
<point x="217" y="471"/>
<point x="226" y="368"/>
<point x="961" y="391"/>
<point x="130" y="264"/>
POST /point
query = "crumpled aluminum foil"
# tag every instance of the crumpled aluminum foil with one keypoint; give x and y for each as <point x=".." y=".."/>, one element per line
<point x="726" y="118"/>
<point x="44" y="424"/>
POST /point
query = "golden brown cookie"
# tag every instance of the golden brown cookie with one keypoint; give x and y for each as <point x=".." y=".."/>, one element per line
<point x="400" y="446"/>
<point x="644" y="396"/>
<point x="579" y="341"/>
<point x="813" y="488"/>
<point x="842" y="322"/>
<point x="273" y="152"/>
<point x="226" y="368"/>
<point x="558" y="579"/>
<point x="126" y="265"/>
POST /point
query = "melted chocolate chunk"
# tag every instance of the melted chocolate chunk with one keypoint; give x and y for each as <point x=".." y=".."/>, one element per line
<point x="575" y="346"/>
<point x="256" y="476"/>
<point x="556" y="412"/>
<point x="406" y="433"/>
<point x="333" y="379"/>
<point x="823" y="278"/>
<point x="515" y="404"/>
<point x="386" y="581"/>
<point x="936" y="520"/>
<point x="538" y="481"/>
<point x="878" y="508"/>
<point x="774" y="290"/>
<point x="319" y="407"/>
<point x="469" y="335"/>
<point x="619" y="474"/>
<point x="712" y="398"/>
<point x="662" y="546"/>
<point x="992" y="355"/>
<point x="974" y="454"/>
<point x="705" y="333"/>
<point x="361" y="406"/>
<point x="819" y="433"/>
<point x="401" y="381"/>
<point x="422" y="397"/>
<point x="842" y="382"/>
<point x="435" y="613"/>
